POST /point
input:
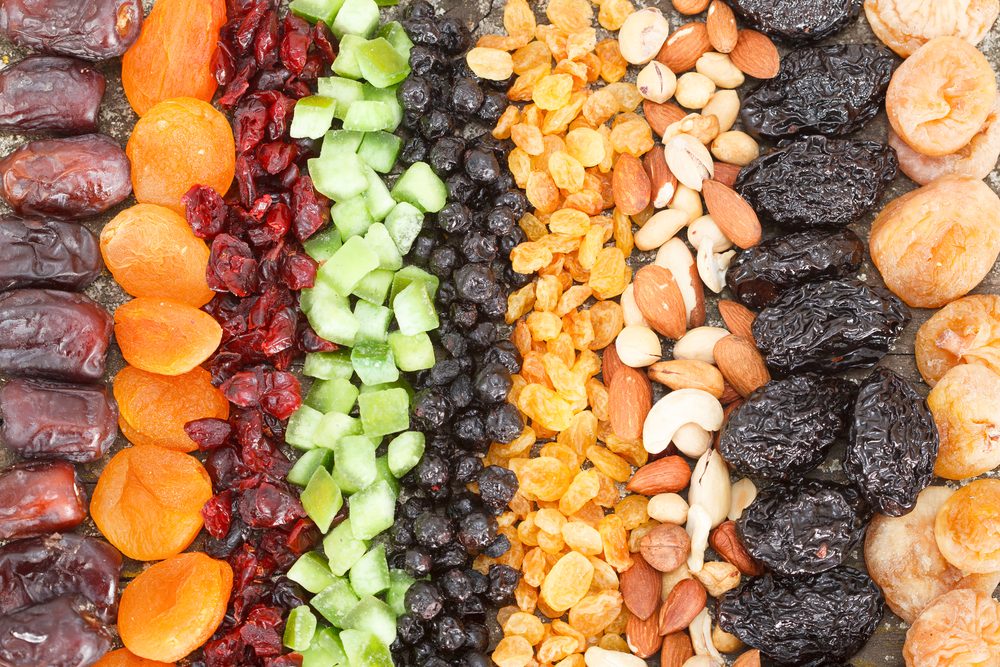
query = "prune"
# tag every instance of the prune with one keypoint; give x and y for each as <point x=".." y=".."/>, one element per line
<point x="39" y="498"/>
<point x="804" y="528"/>
<point x="816" y="181"/>
<point x="50" y="94"/>
<point x="59" y="335"/>
<point x="831" y="90"/>
<point x="74" y="177"/>
<point x="829" y="326"/>
<point x="61" y="633"/>
<point x="959" y="628"/>
<point x="41" y="569"/>
<point x="798" y="22"/>
<point x="785" y="429"/>
<point x="792" y="620"/>
<point x="45" y="419"/>
<point x="47" y="253"/>
<point x="893" y="443"/>
<point x="88" y="29"/>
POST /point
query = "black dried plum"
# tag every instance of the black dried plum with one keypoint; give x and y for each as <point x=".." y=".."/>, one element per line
<point x="796" y="21"/>
<point x="893" y="443"/>
<point x="804" y="620"/>
<point x="832" y="89"/>
<point x="785" y="428"/>
<point x="761" y="274"/>
<point x="804" y="528"/>
<point x="817" y="181"/>
<point x="829" y="326"/>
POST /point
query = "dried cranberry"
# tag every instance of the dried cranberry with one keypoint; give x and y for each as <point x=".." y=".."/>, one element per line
<point x="311" y="209"/>
<point x="218" y="514"/>
<point x="206" y="211"/>
<point x="231" y="266"/>
<point x="261" y="631"/>
<point x="208" y="433"/>
<point x="267" y="506"/>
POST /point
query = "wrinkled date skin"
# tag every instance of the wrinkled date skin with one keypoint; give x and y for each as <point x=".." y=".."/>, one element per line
<point x="761" y="274"/>
<point x="77" y="423"/>
<point x="829" y="90"/>
<point x="817" y="619"/>
<point x="804" y="528"/>
<point x="50" y="94"/>
<point x="829" y="327"/>
<point x="817" y="181"/>
<point x="893" y="443"/>
<point x="39" y="498"/>
<point x="798" y="22"/>
<point x="76" y="177"/>
<point x="47" y="253"/>
<point x="58" y="335"/>
<point x="61" y="633"/>
<point x="786" y="428"/>
<point x="88" y="29"/>
<point x="41" y="569"/>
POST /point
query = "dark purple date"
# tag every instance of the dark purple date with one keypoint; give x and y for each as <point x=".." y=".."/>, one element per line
<point x="40" y="498"/>
<point x="61" y="633"/>
<point x="47" y="253"/>
<point x="58" y="335"/>
<point x="88" y="29"/>
<point x="50" y="94"/>
<point x="41" y="569"/>
<point x="75" y="177"/>
<point x="41" y="420"/>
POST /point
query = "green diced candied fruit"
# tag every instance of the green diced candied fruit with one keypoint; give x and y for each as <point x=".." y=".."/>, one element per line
<point x="356" y="17"/>
<point x="374" y="321"/>
<point x="382" y="65"/>
<point x="410" y="274"/>
<point x="381" y="242"/>
<point x="311" y="571"/>
<point x="382" y="467"/>
<point x="321" y="499"/>
<point x="405" y="452"/>
<point x="345" y="91"/>
<point x="336" y="395"/>
<point x="303" y="469"/>
<point x="335" y="426"/>
<point x="378" y="199"/>
<point x="354" y="463"/>
<point x="342" y="548"/>
<point x="369" y="116"/>
<point x="329" y="314"/>
<point x="412" y="353"/>
<point x="341" y="141"/>
<point x="346" y="63"/>
<point x="399" y="583"/>
<point x="373" y="510"/>
<point x="364" y="649"/>
<point x="414" y="310"/>
<point x="420" y="186"/>
<point x="322" y="245"/>
<point x="404" y="223"/>
<point x="329" y="365"/>
<point x="352" y="217"/>
<point x="374" y="287"/>
<point x="299" y="628"/>
<point x="349" y="265"/>
<point x="335" y="601"/>
<point x="384" y="412"/>
<point x="390" y="97"/>
<point x="380" y="150"/>
<point x="312" y="117"/>
<point x="370" y="575"/>
<point x="339" y="176"/>
<point x="394" y="32"/>
<point x="374" y="616"/>
<point x="315" y="11"/>
<point x="374" y="363"/>
<point x="325" y="651"/>
<point x="302" y="427"/>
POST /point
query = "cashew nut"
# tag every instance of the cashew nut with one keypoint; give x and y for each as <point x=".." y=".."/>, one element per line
<point x="600" y="657"/>
<point x="668" y="508"/>
<point x="701" y="637"/>
<point x="699" y="524"/>
<point x="699" y="344"/>
<point x="675" y="257"/>
<point x="743" y="493"/>
<point x="710" y="487"/>
<point x="656" y="82"/>
<point x="692" y="440"/>
<point x="642" y="35"/>
<point x="704" y="230"/>
<point x="659" y="229"/>
<point x="638" y="346"/>
<point x="712" y="267"/>
<point x="676" y="409"/>
<point x="630" y="309"/>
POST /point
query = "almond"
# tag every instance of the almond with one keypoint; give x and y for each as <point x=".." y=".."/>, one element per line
<point x="756" y="55"/>
<point x="660" y="300"/>
<point x="749" y="659"/>
<point x="661" y="116"/>
<point x="662" y="180"/>
<point x="677" y="649"/>
<point x="683" y="48"/>
<point x="640" y="586"/>
<point x="727" y="543"/>
<point x="630" y="398"/>
<point x="726" y="173"/>
<point x="666" y="548"/>
<point x="689" y="7"/>
<point x="610" y="363"/>
<point x="643" y="636"/>
<point x="688" y="374"/>
<point x="630" y="185"/>
<point x="730" y="396"/>
<point x="732" y="214"/>
<point x="681" y="607"/>
<point x="741" y="365"/>
<point x="723" y="33"/>
<point x="667" y="475"/>
<point x="738" y="318"/>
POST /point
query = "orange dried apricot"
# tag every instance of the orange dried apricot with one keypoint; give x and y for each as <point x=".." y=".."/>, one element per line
<point x="178" y="144"/>
<point x="148" y="502"/>
<point x="153" y="409"/>
<point x="966" y="409"/>
<point x="151" y="251"/>
<point x="175" y="606"/>
<point x="967" y="527"/>
<point x="125" y="658"/>
<point x="165" y="337"/>
<point x="959" y="628"/>
<point x="966" y="331"/>
<point x="173" y="55"/>
<point x="906" y="25"/>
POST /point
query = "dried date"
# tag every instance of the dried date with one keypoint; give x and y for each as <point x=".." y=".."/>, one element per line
<point x="50" y="94"/>
<point x="798" y="22"/>
<point x="893" y="443"/>
<point x="832" y="90"/>
<point x="804" y="528"/>
<point x="47" y="253"/>
<point x="760" y="275"/>
<point x="39" y="498"/>
<point x="786" y="428"/>
<point x="829" y="327"/>
<point x="58" y="335"/>
<point x="817" y="181"/>
<point x="817" y="619"/>
<point x="88" y="29"/>
<point x="75" y="177"/>
<point x="61" y="633"/>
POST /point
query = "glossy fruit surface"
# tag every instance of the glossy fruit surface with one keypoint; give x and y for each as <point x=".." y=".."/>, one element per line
<point x="40" y="498"/>
<point x="47" y="253"/>
<point x="966" y="331"/>
<point x="165" y="337"/>
<point x="60" y="633"/>
<point x="93" y="30"/>
<point x="50" y="94"/>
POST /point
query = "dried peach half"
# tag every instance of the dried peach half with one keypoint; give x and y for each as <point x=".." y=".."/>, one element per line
<point x="935" y="244"/>
<point x="967" y="527"/>
<point x="125" y="658"/>
<point x="940" y="97"/>
<point x="906" y="25"/>
<point x="966" y="331"/>
<point x="966" y="408"/>
<point x="960" y="628"/>
<point x="165" y="337"/>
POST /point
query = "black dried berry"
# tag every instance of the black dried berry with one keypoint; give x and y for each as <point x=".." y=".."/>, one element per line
<point x="798" y="21"/>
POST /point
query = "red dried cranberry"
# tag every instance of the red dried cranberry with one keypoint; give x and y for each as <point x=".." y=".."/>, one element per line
<point x="309" y="340"/>
<point x="267" y="506"/>
<point x="298" y="271"/>
<point x="287" y="660"/>
<point x="276" y="156"/>
<point x="218" y="514"/>
<point x="310" y="208"/>
<point x="231" y="266"/>
<point x="249" y="123"/>
<point x="206" y="211"/>
<point x="261" y="631"/>
<point x="324" y="41"/>
<point x="208" y="433"/>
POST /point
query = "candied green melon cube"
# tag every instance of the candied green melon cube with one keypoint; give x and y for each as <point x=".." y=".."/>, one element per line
<point x="322" y="499"/>
<point x="328" y="312"/>
<point x="377" y="198"/>
<point x="390" y="97"/>
<point x="351" y="217"/>
<point x="374" y="321"/>
<point x="399" y="583"/>
<point x="315" y="11"/>
<point x="339" y="175"/>
<point x="412" y="353"/>
<point x="349" y="265"/>
<point x="404" y="222"/>
<point x="374" y="363"/>
<point x="329" y="365"/>
<point x="322" y="245"/>
<point x="380" y="150"/>
<point x="299" y="628"/>
<point x="302" y="427"/>
<point x="354" y="463"/>
<point x="312" y="117"/>
<point x="345" y="91"/>
<point x="384" y="474"/>
<point x="381" y="65"/>
<point x="335" y="601"/>
<point x="374" y="616"/>
<point x="405" y="452"/>
<point x="325" y="650"/>
<point x="420" y="186"/>
<point x="396" y="35"/>
<point x="384" y="412"/>
<point x="369" y="116"/>
<point x="410" y="274"/>
<point x="373" y="510"/>
<point x="356" y="17"/>
<point x="336" y="395"/>
<point x="374" y="287"/>
<point x="381" y="242"/>
<point x="415" y="310"/>
<point x="364" y="649"/>
<point x="346" y="63"/>
<point x="341" y="141"/>
<point x="311" y="571"/>
<point x="370" y="575"/>
<point x="335" y="426"/>
<point x="342" y="548"/>
<point x="303" y="469"/>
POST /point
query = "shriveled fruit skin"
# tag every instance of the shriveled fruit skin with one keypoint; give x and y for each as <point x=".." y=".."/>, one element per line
<point x="40" y="498"/>
<point x="165" y="337"/>
<point x="959" y="628"/>
<point x="60" y="633"/>
<point x="830" y="90"/>
<point x="906" y="25"/>
<point x="903" y="558"/>
<point x="50" y="94"/>
<point x="967" y="528"/>
<point x="817" y="181"/>
<point x="935" y="244"/>
<point x="47" y="253"/>
<point x="804" y="620"/>
<point x="966" y="331"/>
<point x="798" y="22"/>
<point x="941" y="96"/>
<point x="966" y="408"/>
<point x="92" y="30"/>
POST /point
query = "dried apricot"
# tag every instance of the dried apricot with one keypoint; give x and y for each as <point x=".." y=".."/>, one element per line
<point x="165" y="337"/>
<point x="906" y="25"/>
<point x="173" y="55"/>
<point x="153" y="409"/>
<point x="178" y="144"/>
<point x="175" y="606"/>
<point x="967" y="527"/>
<point x="151" y="251"/>
<point x="966" y="331"/>
<point x="959" y="628"/>
<point x="966" y="408"/>
<point x="125" y="658"/>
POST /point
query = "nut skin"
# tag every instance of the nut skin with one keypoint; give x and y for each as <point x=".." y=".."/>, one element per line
<point x="689" y="161"/>
<point x="682" y="606"/>
<point x="688" y="374"/>
<point x="727" y="543"/>
<point x="670" y="474"/>
<point x="666" y="547"/>
<point x="683" y="48"/>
